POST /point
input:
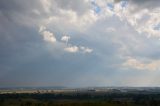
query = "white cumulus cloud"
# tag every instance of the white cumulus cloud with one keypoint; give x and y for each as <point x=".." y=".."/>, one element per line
<point x="47" y="35"/>
<point x="85" y="49"/>
<point x="65" y="38"/>
<point x="72" y="49"/>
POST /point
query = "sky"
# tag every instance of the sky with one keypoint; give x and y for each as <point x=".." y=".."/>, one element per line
<point x="79" y="43"/>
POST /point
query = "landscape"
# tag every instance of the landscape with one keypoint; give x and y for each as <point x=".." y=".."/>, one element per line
<point x="79" y="52"/>
<point x="98" y="96"/>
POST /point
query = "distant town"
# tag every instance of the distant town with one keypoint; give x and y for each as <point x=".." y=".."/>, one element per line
<point x="79" y="90"/>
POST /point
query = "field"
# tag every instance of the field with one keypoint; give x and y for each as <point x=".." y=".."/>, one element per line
<point x="79" y="98"/>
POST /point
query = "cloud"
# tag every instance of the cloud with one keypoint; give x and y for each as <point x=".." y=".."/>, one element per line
<point x="70" y="19"/>
<point x="92" y="44"/>
<point x="140" y="16"/>
<point x="85" y="49"/>
<point x="50" y="37"/>
<point x="110" y="29"/>
<point x="46" y="5"/>
<point x="81" y="49"/>
<point x="140" y="65"/>
<point x="47" y="35"/>
<point x="65" y="38"/>
<point x="42" y="28"/>
<point x="72" y="49"/>
<point x="143" y="16"/>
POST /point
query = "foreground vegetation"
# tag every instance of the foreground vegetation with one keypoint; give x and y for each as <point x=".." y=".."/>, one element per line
<point x="80" y="99"/>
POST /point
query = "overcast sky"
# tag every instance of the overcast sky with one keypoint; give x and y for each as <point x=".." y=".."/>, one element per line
<point x="79" y="43"/>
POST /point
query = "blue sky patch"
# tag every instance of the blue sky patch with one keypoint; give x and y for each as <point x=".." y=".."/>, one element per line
<point x="124" y="3"/>
<point x="96" y="8"/>
<point x="110" y="6"/>
<point x="157" y="27"/>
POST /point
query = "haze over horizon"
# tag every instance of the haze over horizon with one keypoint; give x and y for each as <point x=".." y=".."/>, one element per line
<point x="79" y="43"/>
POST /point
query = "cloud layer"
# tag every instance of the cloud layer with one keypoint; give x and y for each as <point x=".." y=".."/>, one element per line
<point x="79" y="43"/>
